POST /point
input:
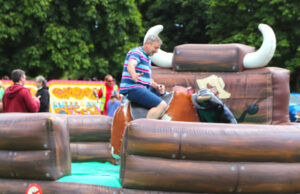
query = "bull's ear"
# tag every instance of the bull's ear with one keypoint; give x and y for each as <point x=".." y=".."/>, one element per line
<point x="203" y="98"/>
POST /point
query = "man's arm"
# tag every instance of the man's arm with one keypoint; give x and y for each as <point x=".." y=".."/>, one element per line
<point x="131" y="70"/>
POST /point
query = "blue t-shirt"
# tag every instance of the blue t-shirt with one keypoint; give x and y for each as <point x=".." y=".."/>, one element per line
<point x="112" y="107"/>
<point x="143" y="66"/>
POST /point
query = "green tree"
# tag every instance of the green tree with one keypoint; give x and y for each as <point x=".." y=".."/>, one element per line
<point x="184" y="21"/>
<point x="79" y="39"/>
<point x="237" y="21"/>
<point x="231" y="21"/>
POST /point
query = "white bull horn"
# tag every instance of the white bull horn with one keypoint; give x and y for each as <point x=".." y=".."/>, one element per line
<point x="264" y="54"/>
<point x="161" y="58"/>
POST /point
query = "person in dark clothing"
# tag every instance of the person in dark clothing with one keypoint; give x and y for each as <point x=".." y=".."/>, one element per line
<point x="42" y="93"/>
<point x="17" y="98"/>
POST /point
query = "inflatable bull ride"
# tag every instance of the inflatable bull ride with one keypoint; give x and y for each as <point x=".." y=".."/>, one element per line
<point x="180" y="152"/>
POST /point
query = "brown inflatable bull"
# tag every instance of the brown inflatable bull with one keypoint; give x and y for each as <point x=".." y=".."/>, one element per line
<point x="216" y="57"/>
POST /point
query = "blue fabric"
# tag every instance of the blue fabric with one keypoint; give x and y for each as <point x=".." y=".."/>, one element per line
<point x="143" y="66"/>
<point x="112" y="107"/>
<point x="145" y="97"/>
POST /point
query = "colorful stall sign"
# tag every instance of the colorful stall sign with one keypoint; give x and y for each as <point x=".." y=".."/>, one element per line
<point x="74" y="97"/>
<point x="31" y="85"/>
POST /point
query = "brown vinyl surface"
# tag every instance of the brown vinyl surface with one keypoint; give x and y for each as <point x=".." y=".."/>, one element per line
<point x="61" y="144"/>
<point x="269" y="178"/>
<point x="91" y="151"/>
<point x="34" y="146"/>
<point x="23" y="131"/>
<point x="209" y="157"/>
<point x="256" y="96"/>
<point x="210" y="177"/>
<point x="89" y="128"/>
<point x="21" y="164"/>
<point x="90" y="137"/>
<point x="213" y="142"/>
<point x="210" y="58"/>
<point x="176" y="175"/>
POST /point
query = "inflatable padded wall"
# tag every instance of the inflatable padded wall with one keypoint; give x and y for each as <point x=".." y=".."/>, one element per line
<point x="34" y="146"/>
<point x="211" y="158"/>
<point x="90" y="137"/>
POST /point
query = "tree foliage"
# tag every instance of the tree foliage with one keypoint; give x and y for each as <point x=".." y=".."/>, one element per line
<point x="89" y="38"/>
<point x="184" y="21"/>
<point x="237" y="21"/>
<point x="232" y="21"/>
<point x="78" y="38"/>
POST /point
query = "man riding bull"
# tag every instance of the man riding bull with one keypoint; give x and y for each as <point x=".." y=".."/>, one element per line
<point x="137" y="84"/>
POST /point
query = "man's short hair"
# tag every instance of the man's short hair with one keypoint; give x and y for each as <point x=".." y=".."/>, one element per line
<point x="17" y="74"/>
<point x="153" y="38"/>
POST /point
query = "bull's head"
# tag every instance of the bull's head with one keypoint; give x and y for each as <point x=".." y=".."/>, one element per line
<point x="211" y="109"/>
<point x="257" y="59"/>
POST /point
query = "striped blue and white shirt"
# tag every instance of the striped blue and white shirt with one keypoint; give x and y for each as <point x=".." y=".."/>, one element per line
<point x="143" y="66"/>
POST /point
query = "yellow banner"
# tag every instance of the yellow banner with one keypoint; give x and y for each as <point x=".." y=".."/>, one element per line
<point x="74" y="97"/>
<point x="31" y="85"/>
